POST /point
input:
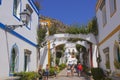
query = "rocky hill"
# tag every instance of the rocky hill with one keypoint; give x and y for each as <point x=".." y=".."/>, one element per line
<point x="56" y="25"/>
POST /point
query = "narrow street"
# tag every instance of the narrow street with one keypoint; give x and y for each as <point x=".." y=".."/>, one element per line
<point x="62" y="76"/>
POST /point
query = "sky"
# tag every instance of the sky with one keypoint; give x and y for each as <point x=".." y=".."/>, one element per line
<point x="69" y="11"/>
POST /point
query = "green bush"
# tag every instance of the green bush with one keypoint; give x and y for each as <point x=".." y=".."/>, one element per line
<point x="85" y="68"/>
<point x="97" y="74"/>
<point x="107" y="64"/>
<point x="116" y="64"/>
<point x="51" y="71"/>
<point x="57" y="61"/>
<point x="62" y="66"/>
<point x="27" y="75"/>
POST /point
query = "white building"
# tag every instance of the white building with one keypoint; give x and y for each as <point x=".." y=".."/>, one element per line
<point x="108" y="17"/>
<point x="18" y="50"/>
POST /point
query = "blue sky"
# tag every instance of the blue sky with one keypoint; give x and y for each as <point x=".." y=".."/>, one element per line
<point x="69" y="11"/>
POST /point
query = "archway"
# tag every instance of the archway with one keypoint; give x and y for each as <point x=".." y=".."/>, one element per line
<point x="86" y="40"/>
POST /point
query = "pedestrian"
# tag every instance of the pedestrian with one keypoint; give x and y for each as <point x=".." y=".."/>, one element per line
<point x="40" y="72"/>
<point x="68" y="70"/>
<point x="46" y="72"/>
<point x="79" y="69"/>
<point x="75" y="64"/>
<point x="56" y="70"/>
<point x="72" y="70"/>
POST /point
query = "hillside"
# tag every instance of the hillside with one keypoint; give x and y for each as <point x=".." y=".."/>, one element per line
<point x="56" y="25"/>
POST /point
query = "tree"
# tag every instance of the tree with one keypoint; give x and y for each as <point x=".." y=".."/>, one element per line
<point x="52" y="30"/>
<point x="78" y="47"/>
<point x="41" y="33"/>
<point x="92" y="26"/>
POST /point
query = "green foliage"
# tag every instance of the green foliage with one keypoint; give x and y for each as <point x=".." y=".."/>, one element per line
<point x="51" y="59"/>
<point x="59" y="27"/>
<point x="57" y="61"/>
<point x="51" y="71"/>
<point x="116" y="64"/>
<point x="74" y="39"/>
<point x="99" y="59"/>
<point x="77" y="30"/>
<point x="60" y="47"/>
<point x="85" y="68"/>
<point x="92" y="26"/>
<point x="62" y="66"/>
<point x="78" y="47"/>
<point x="52" y="30"/>
<point x="60" y="50"/>
<point x="83" y="29"/>
<point x="27" y="75"/>
<point x="107" y="65"/>
<point x="97" y="74"/>
<point x="41" y="33"/>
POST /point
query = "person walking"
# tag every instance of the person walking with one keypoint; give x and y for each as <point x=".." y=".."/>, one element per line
<point x="56" y="70"/>
<point x="79" y="69"/>
<point x="46" y="72"/>
<point x="68" y="70"/>
<point x="72" y="70"/>
<point x="40" y="72"/>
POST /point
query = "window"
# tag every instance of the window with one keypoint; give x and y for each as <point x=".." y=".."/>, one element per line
<point x="103" y="10"/>
<point x="14" y="60"/>
<point x="112" y="7"/>
<point x="117" y="53"/>
<point x="29" y="11"/>
<point x="0" y="2"/>
<point x="17" y="8"/>
<point x="107" y="61"/>
<point x="26" y="60"/>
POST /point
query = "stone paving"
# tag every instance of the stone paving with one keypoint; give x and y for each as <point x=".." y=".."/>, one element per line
<point x="62" y="76"/>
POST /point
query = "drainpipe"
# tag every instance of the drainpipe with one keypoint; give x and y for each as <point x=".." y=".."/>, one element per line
<point x="7" y="48"/>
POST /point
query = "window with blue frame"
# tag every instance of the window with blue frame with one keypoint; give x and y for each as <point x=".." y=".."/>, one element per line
<point x="14" y="60"/>
<point x="27" y="54"/>
<point x="35" y="4"/>
<point x="29" y="24"/>
<point x="29" y="19"/>
<point x="17" y="8"/>
<point x="0" y="2"/>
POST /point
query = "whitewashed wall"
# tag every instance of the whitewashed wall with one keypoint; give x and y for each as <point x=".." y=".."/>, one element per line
<point x="4" y="62"/>
<point x="7" y="18"/>
<point x="112" y="23"/>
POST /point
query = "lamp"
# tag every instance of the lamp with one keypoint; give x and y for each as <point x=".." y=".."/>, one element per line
<point x="25" y="17"/>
